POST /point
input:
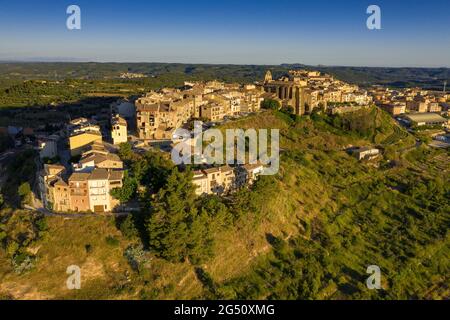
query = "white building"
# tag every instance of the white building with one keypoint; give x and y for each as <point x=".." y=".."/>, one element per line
<point x="366" y="153"/>
<point x="100" y="183"/>
<point x="48" y="148"/>
<point x="119" y="132"/>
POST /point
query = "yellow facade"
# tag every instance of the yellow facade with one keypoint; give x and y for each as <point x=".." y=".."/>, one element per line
<point x="80" y="141"/>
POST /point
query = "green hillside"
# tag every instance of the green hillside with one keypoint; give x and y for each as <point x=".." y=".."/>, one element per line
<point x="309" y="232"/>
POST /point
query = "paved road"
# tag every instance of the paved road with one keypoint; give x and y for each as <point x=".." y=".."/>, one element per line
<point x="407" y="149"/>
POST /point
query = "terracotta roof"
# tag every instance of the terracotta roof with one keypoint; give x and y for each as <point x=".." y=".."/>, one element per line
<point x="211" y="170"/>
<point x="99" y="158"/>
<point x="115" y="175"/>
<point x="225" y="168"/>
<point x="99" y="174"/>
<point x="119" y="120"/>
<point x="79" y="176"/>
<point x="252" y="166"/>
<point x="146" y="107"/>
<point x="199" y="175"/>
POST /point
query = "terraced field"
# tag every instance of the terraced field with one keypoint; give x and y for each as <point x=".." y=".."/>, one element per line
<point x="398" y="135"/>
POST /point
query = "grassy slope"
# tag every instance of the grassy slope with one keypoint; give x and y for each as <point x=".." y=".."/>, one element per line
<point x="319" y="178"/>
<point x="364" y="213"/>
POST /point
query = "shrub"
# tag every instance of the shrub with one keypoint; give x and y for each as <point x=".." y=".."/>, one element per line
<point x="88" y="248"/>
<point x="135" y="255"/>
<point x="128" y="228"/>
<point x="270" y="104"/>
<point x="24" y="191"/>
<point x="41" y="224"/>
<point x="112" y="241"/>
<point x="12" y="248"/>
<point x="22" y="262"/>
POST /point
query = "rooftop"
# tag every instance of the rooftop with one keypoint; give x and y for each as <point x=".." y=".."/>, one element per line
<point x="99" y="174"/>
<point x="426" y="117"/>
<point x="79" y="176"/>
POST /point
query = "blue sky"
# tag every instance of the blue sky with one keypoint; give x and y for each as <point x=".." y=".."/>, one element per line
<point x="333" y="32"/>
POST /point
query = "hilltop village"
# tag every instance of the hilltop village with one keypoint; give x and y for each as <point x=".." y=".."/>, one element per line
<point x="80" y="166"/>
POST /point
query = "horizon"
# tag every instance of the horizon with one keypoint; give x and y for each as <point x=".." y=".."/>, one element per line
<point x="76" y="61"/>
<point x="253" y="32"/>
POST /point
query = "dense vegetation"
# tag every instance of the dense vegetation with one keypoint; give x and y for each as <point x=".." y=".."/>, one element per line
<point x="174" y="223"/>
<point x="20" y="231"/>
<point x="19" y="175"/>
<point x="309" y="232"/>
<point x="368" y="214"/>
<point x="398" y="221"/>
<point x="393" y="217"/>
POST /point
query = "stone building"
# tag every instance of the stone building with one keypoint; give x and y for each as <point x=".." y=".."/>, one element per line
<point x="119" y="132"/>
<point x="395" y="108"/>
<point x="225" y="179"/>
<point x="213" y="111"/>
<point x="79" y="192"/>
<point x="46" y="179"/>
<point x="61" y="195"/>
<point x="290" y="90"/>
<point x="157" y="118"/>
<point x="247" y="174"/>
<point x="219" y="180"/>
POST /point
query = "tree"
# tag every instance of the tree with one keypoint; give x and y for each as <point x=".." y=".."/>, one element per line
<point x="128" y="228"/>
<point x="288" y="109"/>
<point x="176" y="230"/>
<point x="219" y="214"/>
<point x="153" y="170"/>
<point x="127" y="191"/>
<point x="24" y="192"/>
<point x="270" y="104"/>
<point x="200" y="243"/>
<point x="125" y="152"/>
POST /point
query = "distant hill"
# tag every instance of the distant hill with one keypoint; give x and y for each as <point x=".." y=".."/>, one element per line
<point x="396" y="77"/>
